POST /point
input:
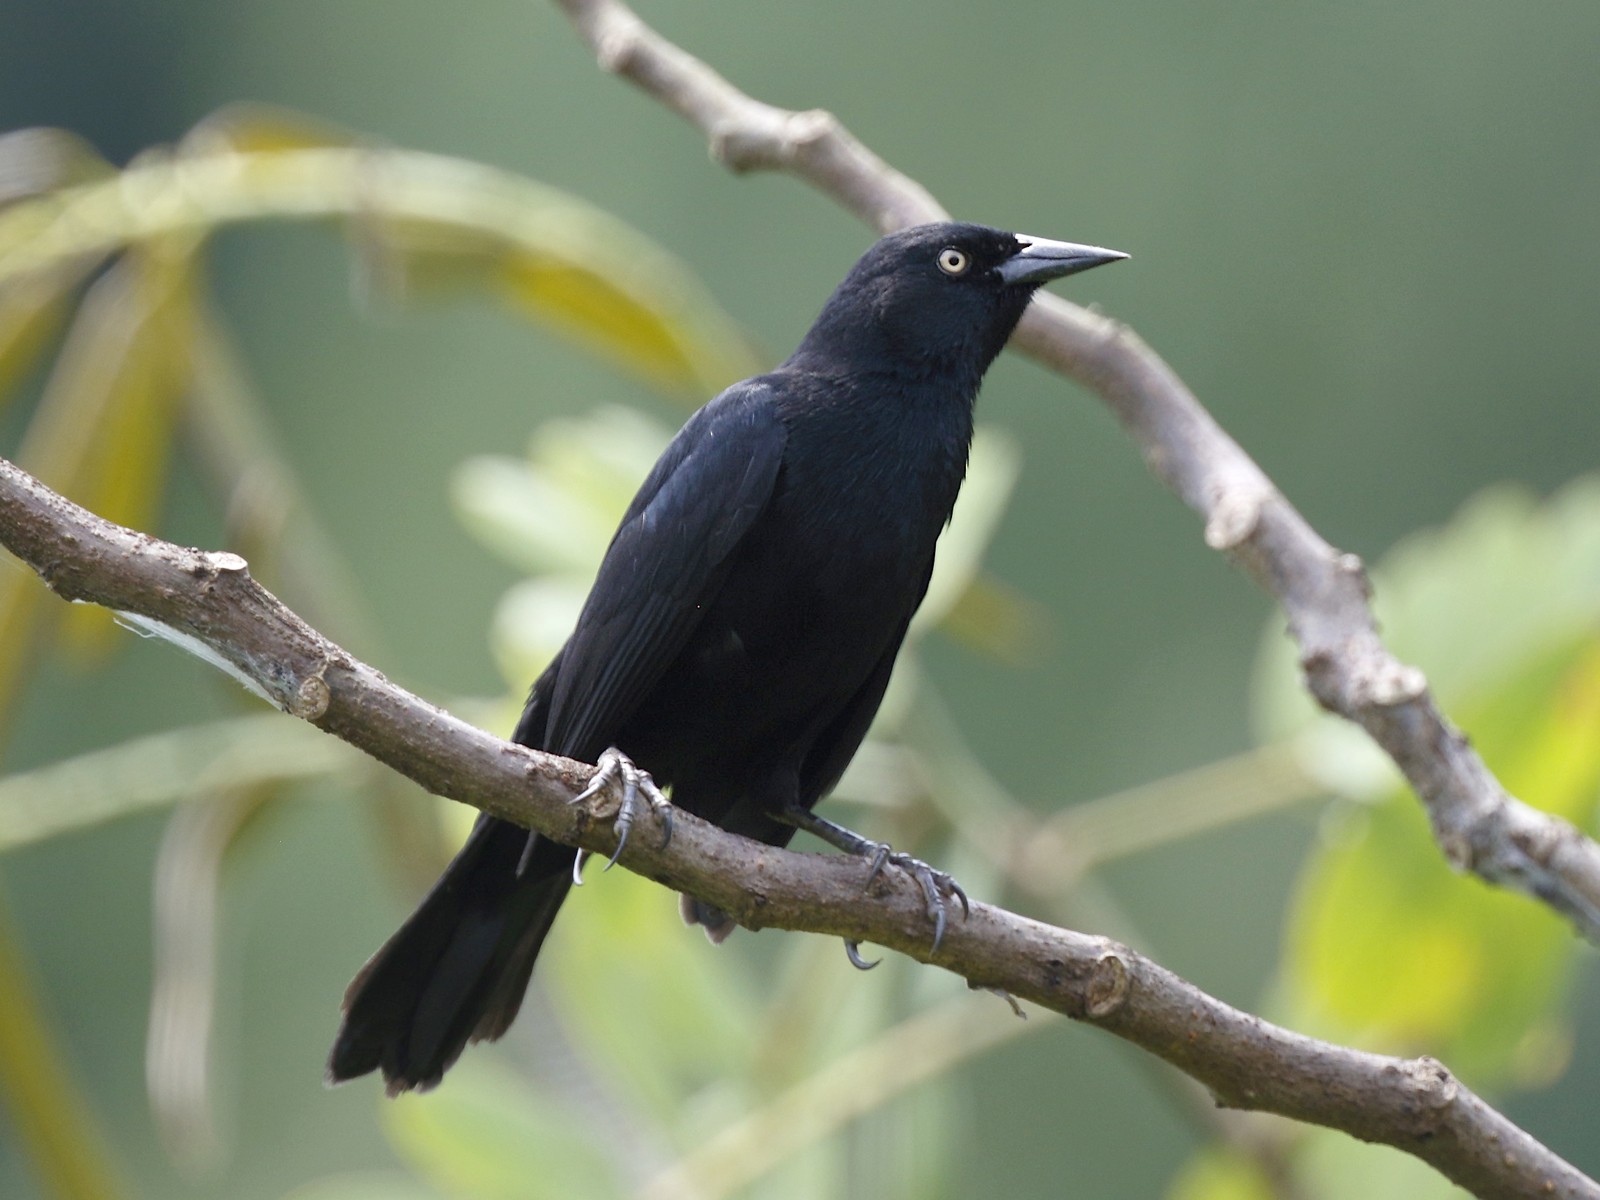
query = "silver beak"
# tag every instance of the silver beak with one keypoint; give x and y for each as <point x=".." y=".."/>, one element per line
<point x="1041" y="259"/>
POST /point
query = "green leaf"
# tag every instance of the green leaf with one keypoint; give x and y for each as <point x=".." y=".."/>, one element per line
<point x="31" y="312"/>
<point x="1217" y="1173"/>
<point x="527" y="519"/>
<point x="485" y="1135"/>
<point x="249" y="128"/>
<point x="552" y="514"/>
<point x="421" y="222"/>
<point x="1387" y="946"/>
<point x="104" y="426"/>
<point x="573" y="268"/>
<point x="1384" y="945"/>
<point x="555" y="510"/>
<point x="101" y="430"/>
<point x="38" y="160"/>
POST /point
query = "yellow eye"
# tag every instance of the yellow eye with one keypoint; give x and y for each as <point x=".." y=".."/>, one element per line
<point x="953" y="261"/>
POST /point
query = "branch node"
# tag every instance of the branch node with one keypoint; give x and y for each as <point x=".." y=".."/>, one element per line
<point x="1434" y="1080"/>
<point x="1457" y="848"/>
<point x="1433" y="1089"/>
<point x="311" y="698"/>
<point x="1351" y="565"/>
<point x="221" y="562"/>
<point x="1107" y="989"/>
<point x="721" y="140"/>
<point x="1389" y="685"/>
<point x="1235" y="517"/>
<point x="803" y="130"/>
<point x="616" y="48"/>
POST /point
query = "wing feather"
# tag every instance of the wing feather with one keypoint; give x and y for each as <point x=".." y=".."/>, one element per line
<point x="665" y="564"/>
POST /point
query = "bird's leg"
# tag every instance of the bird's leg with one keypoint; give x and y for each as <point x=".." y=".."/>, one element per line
<point x="637" y="785"/>
<point x="936" y="885"/>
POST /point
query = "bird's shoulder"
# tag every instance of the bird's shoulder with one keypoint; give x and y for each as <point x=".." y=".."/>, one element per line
<point x="743" y="420"/>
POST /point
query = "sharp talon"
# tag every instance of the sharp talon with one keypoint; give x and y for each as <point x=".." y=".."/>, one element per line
<point x="959" y="894"/>
<point x="853" y="952"/>
<point x="622" y="840"/>
<point x="879" y="858"/>
<point x="666" y="828"/>
<point x="938" y="928"/>
<point x="577" y="867"/>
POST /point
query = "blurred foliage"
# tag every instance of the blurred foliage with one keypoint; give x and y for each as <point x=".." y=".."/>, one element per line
<point x="1384" y="947"/>
<point x="56" y="1125"/>
<point x="146" y="355"/>
<point x="115" y="259"/>
<point x="668" y="1069"/>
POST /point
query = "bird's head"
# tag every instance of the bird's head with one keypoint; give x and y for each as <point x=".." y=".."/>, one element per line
<point x="949" y="293"/>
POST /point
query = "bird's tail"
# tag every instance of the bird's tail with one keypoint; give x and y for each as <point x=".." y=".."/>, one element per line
<point x="456" y="971"/>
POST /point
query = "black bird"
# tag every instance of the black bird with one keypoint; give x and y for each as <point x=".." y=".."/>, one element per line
<point x="743" y="625"/>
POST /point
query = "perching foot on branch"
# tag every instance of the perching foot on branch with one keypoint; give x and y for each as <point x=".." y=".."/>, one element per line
<point x="936" y="885"/>
<point x="637" y="787"/>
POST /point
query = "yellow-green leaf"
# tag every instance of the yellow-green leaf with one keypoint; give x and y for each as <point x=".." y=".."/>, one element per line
<point x="1387" y="946"/>
<point x="103" y="429"/>
<point x="420" y="220"/>
<point x="1220" y="1174"/>
<point x="255" y="128"/>
<point x="37" y="160"/>
<point x="31" y="311"/>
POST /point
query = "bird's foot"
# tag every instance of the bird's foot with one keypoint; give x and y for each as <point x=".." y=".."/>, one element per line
<point x="638" y="791"/>
<point x="937" y="886"/>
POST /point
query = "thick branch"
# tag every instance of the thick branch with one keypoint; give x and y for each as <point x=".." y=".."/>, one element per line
<point x="1323" y="592"/>
<point x="208" y="603"/>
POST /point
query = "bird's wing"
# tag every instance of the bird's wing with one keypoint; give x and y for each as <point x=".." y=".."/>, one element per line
<point x="665" y="564"/>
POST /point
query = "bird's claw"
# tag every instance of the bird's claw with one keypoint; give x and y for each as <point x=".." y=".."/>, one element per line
<point x="936" y="885"/>
<point x="637" y="785"/>
<point x="852" y="950"/>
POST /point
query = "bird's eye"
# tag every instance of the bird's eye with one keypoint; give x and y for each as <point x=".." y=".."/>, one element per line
<point x="953" y="261"/>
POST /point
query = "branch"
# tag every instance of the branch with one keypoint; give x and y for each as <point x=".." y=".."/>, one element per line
<point x="209" y="604"/>
<point x="1324" y="593"/>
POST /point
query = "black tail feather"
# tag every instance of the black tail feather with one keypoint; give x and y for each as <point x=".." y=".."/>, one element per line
<point x="456" y="971"/>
